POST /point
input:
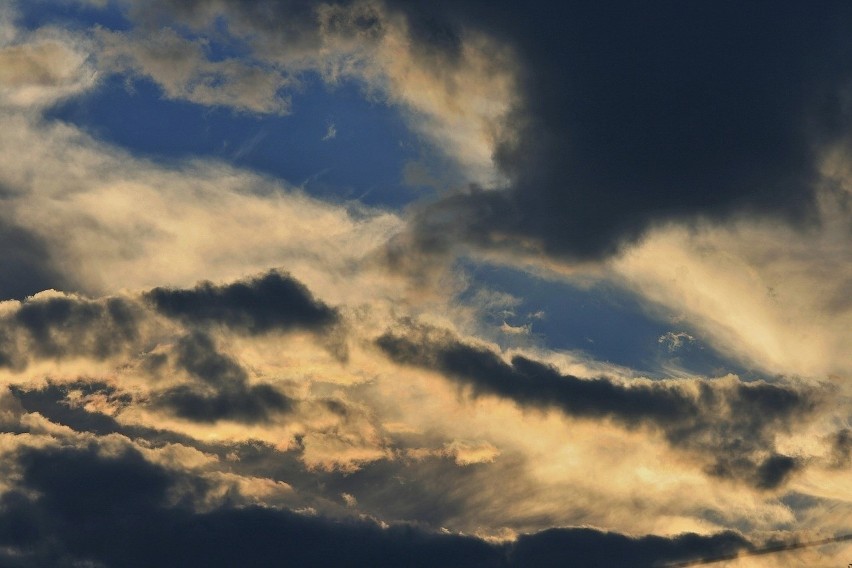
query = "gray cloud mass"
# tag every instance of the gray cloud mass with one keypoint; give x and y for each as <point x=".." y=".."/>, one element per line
<point x="733" y="426"/>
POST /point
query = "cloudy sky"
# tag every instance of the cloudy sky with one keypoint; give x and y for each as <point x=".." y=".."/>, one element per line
<point x="446" y="283"/>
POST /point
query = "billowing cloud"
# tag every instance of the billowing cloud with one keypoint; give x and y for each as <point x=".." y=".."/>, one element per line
<point x="55" y="327"/>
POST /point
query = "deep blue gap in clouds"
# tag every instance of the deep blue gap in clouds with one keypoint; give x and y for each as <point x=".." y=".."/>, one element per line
<point x="34" y="14"/>
<point x="603" y="321"/>
<point x="363" y="162"/>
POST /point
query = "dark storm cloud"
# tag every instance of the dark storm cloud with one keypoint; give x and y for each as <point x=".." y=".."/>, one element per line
<point x="535" y="384"/>
<point x="63" y="326"/>
<point x="731" y="425"/>
<point x="118" y="509"/>
<point x="26" y="265"/>
<point x="225" y="392"/>
<point x="274" y="301"/>
<point x="633" y="114"/>
<point x="68" y="326"/>
<point x="590" y="548"/>
<point x="627" y="115"/>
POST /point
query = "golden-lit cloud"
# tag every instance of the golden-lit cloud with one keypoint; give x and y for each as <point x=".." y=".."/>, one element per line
<point x="205" y="345"/>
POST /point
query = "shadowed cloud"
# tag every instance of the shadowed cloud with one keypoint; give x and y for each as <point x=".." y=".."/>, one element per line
<point x="731" y="425"/>
<point x="26" y="263"/>
<point x="59" y="327"/>
<point x="117" y="509"/>
<point x="225" y="392"/>
<point x="270" y="302"/>
<point x="631" y="116"/>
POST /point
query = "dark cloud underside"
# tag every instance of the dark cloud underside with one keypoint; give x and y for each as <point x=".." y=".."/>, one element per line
<point x="118" y="509"/>
<point x="62" y="327"/>
<point x="733" y="427"/>
<point x="224" y="391"/>
<point x="634" y="114"/>
<point x="273" y="301"/>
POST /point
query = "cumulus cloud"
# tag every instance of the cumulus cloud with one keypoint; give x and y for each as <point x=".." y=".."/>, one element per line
<point x="51" y="325"/>
<point x="125" y="331"/>
<point x="225" y="392"/>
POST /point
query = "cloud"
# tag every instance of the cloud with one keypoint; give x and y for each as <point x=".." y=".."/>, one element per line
<point x="121" y="331"/>
<point x="51" y="325"/>
<point x="703" y="119"/>
<point x="230" y="397"/>
<point x="330" y="133"/>
<point x="675" y="340"/>
<point x="226" y="393"/>
<point x="99" y="220"/>
<point x="94" y="505"/>
<point x="594" y="548"/>
<point x="456" y="97"/>
<point x="761" y="293"/>
<point x="27" y="262"/>
<point x="42" y="68"/>
<point x="842" y="448"/>
<point x="730" y="424"/>
<point x="274" y="301"/>
<point x="184" y="71"/>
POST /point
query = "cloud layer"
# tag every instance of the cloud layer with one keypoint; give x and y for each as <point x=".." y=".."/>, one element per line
<point x="200" y="364"/>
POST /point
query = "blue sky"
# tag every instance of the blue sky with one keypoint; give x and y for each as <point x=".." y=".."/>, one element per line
<point x="378" y="283"/>
<point x="364" y="160"/>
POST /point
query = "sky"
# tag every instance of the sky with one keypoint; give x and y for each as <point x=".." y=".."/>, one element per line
<point x="433" y="284"/>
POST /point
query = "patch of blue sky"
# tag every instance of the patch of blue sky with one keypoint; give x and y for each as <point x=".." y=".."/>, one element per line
<point x="33" y="14"/>
<point x="336" y="144"/>
<point x="602" y="321"/>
